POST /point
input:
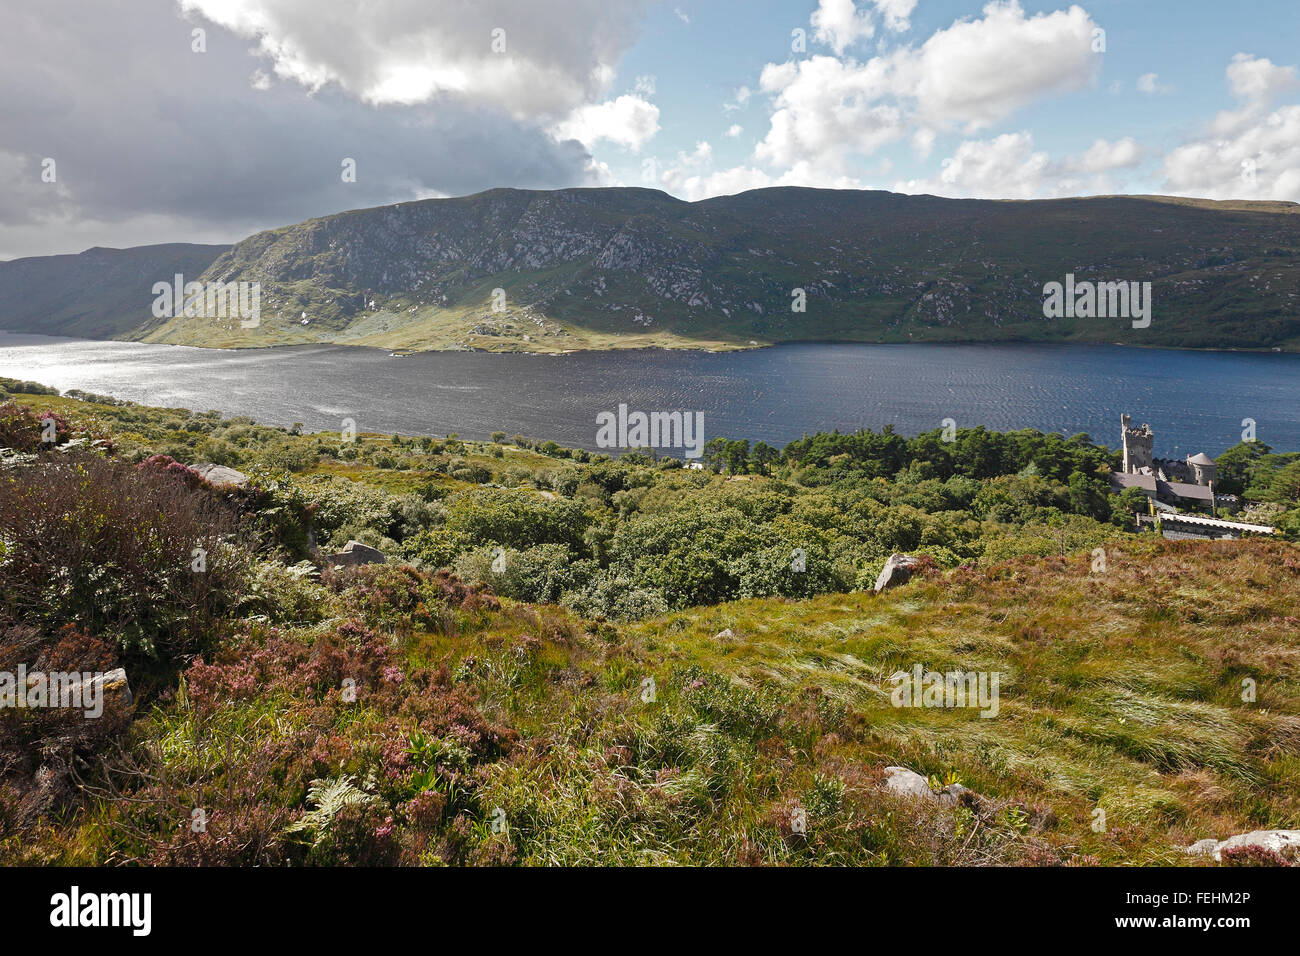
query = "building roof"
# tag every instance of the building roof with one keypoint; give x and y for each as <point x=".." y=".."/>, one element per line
<point x="1128" y="480"/>
<point x="1201" y="458"/>
<point x="1219" y="523"/>
<point x="1182" y="489"/>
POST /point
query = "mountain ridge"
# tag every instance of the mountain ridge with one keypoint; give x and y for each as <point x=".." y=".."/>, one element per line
<point x="622" y="267"/>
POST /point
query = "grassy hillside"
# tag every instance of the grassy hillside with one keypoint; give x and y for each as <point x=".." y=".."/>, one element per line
<point x="442" y="710"/>
<point x="626" y="267"/>
<point x="98" y="294"/>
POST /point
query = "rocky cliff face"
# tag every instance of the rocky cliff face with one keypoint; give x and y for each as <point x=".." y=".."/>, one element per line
<point x="603" y="267"/>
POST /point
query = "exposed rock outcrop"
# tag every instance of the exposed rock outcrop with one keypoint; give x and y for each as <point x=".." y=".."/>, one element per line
<point x="909" y="783"/>
<point x="1282" y="842"/>
<point x="221" y="475"/>
<point x="355" y="553"/>
<point x="897" y="570"/>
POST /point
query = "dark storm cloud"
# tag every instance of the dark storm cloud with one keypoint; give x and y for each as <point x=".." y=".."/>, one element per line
<point x="143" y="130"/>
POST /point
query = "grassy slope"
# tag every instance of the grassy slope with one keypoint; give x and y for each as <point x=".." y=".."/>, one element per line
<point x="1120" y="691"/>
<point x="1131" y="707"/>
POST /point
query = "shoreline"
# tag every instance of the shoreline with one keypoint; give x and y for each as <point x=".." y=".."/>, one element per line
<point x="709" y="350"/>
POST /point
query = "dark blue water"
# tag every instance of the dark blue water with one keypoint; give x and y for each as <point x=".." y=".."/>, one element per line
<point x="1195" y="401"/>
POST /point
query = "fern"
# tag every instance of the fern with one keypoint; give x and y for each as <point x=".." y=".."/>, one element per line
<point x="328" y="797"/>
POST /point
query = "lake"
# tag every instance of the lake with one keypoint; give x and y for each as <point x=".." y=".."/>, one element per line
<point x="1195" y="401"/>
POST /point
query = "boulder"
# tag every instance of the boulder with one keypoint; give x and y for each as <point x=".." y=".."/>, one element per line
<point x="726" y="635"/>
<point x="1282" y="842"/>
<point x="907" y="783"/>
<point x="896" y="571"/>
<point x="355" y="553"/>
<point x="221" y="475"/>
<point x="110" y="687"/>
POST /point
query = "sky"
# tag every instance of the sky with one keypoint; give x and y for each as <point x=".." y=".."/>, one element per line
<point x="126" y="122"/>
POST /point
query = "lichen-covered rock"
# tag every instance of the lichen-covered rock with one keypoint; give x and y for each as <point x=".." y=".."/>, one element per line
<point x="1281" y="842"/>
<point x="897" y="570"/>
<point x="907" y="783"/>
<point x="355" y="553"/>
<point x="221" y="475"/>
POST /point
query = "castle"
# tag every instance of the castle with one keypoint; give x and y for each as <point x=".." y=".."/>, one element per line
<point x="1177" y="490"/>
<point x="1185" y="484"/>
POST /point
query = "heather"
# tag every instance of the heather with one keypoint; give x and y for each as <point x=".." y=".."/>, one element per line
<point x="571" y="659"/>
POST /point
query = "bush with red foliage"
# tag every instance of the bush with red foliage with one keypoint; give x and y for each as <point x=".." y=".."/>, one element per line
<point x="1253" y="856"/>
<point x="396" y="595"/>
<point x="401" y="820"/>
<point x="40" y="746"/>
<point x="95" y="543"/>
<point x="25" y="430"/>
<point x="169" y="466"/>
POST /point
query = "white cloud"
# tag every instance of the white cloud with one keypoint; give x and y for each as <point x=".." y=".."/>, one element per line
<point x="1261" y="161"/>
<point x="556" y="55"/>
<point x="682" y="15"/>
<point x="628" y="121"/>
<point x="829" y="110"/>
<point x="923" y="142"/>
<point x="1150" y="83"/>
<point x="1103" y="156"/>
<point x="693" y="176"/>
<point x="1250" y="78"/>
<point x="644" y="86"/>
<point x="897" y="13"/>
<point x="740" y="101"/>
<point x="1006" y="167"/>
<point x="1252" y="152"/>
<point x="840" y="24"/>
<point x="978" y="72"/>
<point x="131" y="143"/>
<point x="1009" y="167"/>
<point x="735" y="130"/>
<point x="825" y="110"/>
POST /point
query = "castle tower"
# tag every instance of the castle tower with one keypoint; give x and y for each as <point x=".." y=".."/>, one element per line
<point x="1137" y="445"/>
<point x="1204" y="470"/>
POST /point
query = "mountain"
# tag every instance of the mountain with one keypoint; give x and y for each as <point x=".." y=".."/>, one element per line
<point x="98" y="294"/>
<point x="627" y="267"/>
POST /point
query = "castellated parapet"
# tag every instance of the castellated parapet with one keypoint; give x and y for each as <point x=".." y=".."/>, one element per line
<point x="1137" y="446"/>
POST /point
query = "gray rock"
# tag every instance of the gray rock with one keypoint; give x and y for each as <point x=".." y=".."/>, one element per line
<point x="908" y="783"/>
<point x="726" y="635"/>
<point x="355" y="553"/>
<point x="111" y="687"/>
<point x="951" y="795"/>
<point x="221" y="475"/>
<point x="897" y="570"/>
<point x="1279" y="841"/>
